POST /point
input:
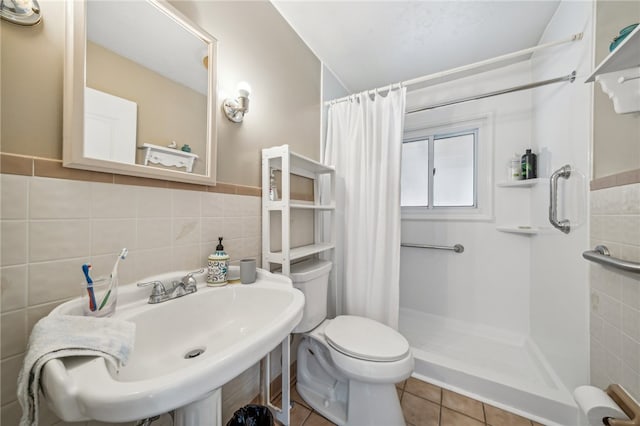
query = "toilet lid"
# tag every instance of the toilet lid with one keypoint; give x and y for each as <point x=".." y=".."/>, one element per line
<point x="365" y="339"/>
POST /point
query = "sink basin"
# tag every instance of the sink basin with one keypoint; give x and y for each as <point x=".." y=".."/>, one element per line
<point x="185" y="349"/>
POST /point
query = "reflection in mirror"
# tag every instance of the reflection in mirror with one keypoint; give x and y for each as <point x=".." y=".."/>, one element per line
<point x="148" y="99"/>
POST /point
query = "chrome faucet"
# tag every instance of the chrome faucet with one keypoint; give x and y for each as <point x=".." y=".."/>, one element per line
<point x="159" y="293"/>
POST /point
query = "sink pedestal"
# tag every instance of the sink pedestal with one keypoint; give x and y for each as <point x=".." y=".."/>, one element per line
<point x="205" y="411"/>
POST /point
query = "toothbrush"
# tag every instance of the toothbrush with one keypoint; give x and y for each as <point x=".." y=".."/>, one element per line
<point x="122" y="255"/>
<point x="92" y="297"/>
<point x="114" y="273"/>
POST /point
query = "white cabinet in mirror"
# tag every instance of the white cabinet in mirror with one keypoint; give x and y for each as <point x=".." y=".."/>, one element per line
<point x="135" y="77"/>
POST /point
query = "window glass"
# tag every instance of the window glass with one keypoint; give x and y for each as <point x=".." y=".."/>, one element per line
<point x="415" y="173"/>
<point x="453" y="178"/>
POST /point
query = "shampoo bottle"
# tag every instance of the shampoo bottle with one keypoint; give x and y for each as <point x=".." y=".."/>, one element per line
<point x="529" y="165"/>
<point x="515" y="168"/>
<point x="217" y="266"/>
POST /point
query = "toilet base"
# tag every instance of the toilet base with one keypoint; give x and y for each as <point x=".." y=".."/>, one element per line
<point x="342" y="400"/>
<point x="373" y="404"/>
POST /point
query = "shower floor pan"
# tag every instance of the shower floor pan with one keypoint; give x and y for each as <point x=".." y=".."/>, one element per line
<point x="497" y="367"/>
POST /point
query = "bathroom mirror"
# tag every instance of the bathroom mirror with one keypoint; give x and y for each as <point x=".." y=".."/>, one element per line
<point x="139" y="91"/>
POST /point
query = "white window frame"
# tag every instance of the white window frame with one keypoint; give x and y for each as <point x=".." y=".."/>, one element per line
<point x="483" y="209"/>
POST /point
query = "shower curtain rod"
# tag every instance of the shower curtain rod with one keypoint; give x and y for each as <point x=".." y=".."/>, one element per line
<point x="569" y="77"/>
<point x="453" y="71"/>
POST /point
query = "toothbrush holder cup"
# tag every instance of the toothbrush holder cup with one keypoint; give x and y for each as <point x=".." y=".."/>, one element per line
<point x="100" y="299"/>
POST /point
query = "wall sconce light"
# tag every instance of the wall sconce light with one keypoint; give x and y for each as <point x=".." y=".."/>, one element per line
<point x="235" y="109"/>
<point x="21" y="12"/>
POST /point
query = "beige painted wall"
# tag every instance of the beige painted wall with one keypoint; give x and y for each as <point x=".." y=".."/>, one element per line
<point x="255" y="45"/>
<point x="616" y="143"/>
<point x="167" y="110"/>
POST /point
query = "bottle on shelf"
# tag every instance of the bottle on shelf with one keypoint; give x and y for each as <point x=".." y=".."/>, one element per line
<point x="514" y="170"/>
<point x="528" y="163"/>
<point x="273" y="189"/>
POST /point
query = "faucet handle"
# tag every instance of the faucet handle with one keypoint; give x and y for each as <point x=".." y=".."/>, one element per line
<point x="188" y="279"/>
<point x="158" y="287"/>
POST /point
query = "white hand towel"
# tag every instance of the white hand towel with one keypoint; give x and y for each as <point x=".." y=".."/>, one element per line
<point x="59" y="336"/>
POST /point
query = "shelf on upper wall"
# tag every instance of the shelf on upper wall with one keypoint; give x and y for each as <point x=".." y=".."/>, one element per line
<point x="623" y="57"/>
<point x="526" y="183"/>
<point x="519" y="229"/>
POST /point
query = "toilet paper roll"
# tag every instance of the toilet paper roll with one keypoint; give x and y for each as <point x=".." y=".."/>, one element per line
<point x="597" y="405"/>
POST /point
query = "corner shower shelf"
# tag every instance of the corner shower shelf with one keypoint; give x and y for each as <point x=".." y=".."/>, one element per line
<point x="526" y="183"/>
<point x="519" y="229"/>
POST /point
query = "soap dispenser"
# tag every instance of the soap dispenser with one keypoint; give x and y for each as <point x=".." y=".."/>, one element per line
<point x="217" y="266"/>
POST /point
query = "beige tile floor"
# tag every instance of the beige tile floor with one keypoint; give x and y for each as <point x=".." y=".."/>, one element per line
<point x="423" y="404"/>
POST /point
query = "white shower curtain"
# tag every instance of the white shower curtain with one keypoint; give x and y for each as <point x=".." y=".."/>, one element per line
<point x="364" y="143"/>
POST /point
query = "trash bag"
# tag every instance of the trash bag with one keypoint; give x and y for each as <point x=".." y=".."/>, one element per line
<point x="252" y="415"/>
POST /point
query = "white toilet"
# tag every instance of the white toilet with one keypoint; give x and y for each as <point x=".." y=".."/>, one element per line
<point x="347" y="366"/>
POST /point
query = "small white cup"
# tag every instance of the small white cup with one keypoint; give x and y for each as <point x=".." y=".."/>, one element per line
<point x="247" y="271"/>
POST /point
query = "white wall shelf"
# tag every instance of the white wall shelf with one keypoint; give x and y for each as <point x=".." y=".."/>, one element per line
<point x="525" y="183"/>
<point x="283" y="159"/>
<point x="625" y="56"/>
<point x="519" y="229"/>
<point x="168" y="156"/>
<point x="619" y="75"/>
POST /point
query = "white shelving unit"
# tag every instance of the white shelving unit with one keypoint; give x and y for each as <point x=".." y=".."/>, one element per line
<point x="520" y="229"/>
<point x="287" y="162"/>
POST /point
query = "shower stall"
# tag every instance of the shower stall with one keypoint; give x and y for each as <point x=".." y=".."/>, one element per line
<point x="506" y="320"/>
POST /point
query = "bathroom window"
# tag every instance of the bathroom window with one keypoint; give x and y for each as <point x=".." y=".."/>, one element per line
<point x="439" y="171"/>
<point x="445" y="170"/>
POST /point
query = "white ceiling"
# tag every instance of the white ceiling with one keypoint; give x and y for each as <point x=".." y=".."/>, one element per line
<point x="370" y="44"/>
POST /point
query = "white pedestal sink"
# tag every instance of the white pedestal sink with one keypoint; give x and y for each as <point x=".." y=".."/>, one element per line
<point x="185" y="350"/>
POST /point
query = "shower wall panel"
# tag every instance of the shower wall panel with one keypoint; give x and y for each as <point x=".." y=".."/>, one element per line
<point x="562" y="128"/>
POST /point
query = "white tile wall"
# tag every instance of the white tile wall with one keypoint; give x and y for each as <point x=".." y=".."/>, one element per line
<point x="615" y="295"/>
<point x="50" y="227"/>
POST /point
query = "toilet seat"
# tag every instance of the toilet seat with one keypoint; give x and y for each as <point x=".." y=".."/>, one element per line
<point x="365" y="339"/>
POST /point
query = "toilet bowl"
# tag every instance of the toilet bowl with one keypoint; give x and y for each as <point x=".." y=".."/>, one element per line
<point x="347" y="366"/>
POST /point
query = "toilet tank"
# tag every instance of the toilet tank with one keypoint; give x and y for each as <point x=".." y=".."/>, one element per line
<point x="312" y="278"/>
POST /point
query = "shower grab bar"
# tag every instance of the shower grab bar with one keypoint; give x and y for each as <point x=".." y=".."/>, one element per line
<point x="563" y="225"/>
<point x="458" y="248"/>
<point x="601" y="255"/>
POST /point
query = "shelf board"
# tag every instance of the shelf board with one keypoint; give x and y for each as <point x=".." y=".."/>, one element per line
<point x="300" y="252"/>
<point x="298" y="164"/>
<point x="519" y="229"/>
<point x="526" y="183"/>
<point x="279" y="205"/>
<point x="301" y="162"/>
<point x="623" y="57"/>
<point x="304" y="206"/>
